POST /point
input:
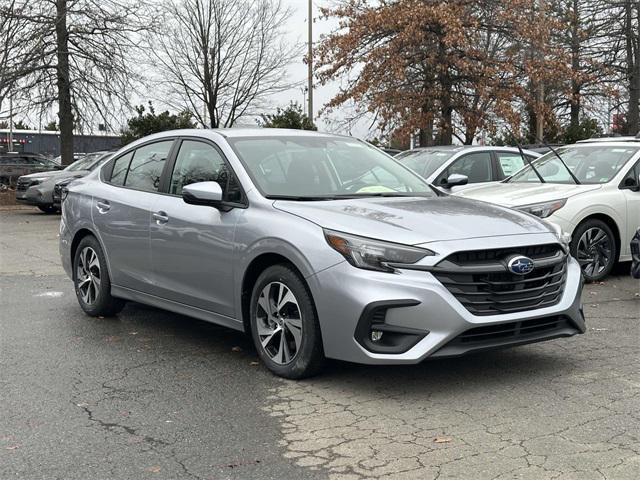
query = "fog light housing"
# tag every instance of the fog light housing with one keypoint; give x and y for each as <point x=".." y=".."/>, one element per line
<point x="376" y="335"/>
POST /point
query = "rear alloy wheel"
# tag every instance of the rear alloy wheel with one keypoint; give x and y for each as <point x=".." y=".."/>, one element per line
<point x="284" y="324"/>
<point x="91" y="280"/>
<point x="594" y="246"/>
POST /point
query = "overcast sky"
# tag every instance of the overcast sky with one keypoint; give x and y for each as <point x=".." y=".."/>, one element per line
<point x="298" y="71"/>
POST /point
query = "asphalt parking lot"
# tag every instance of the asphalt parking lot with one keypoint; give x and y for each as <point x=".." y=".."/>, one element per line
<point x="153" y="395"/>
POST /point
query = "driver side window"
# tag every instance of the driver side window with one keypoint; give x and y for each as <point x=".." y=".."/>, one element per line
<point x="201" y="162"/>
<point x="475" y="166"/>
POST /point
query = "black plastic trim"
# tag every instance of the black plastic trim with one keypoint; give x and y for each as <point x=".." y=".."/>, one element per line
<point x="402" y="338"/>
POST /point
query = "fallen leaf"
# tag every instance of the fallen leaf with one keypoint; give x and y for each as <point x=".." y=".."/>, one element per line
<point x="154" y="469"/>
<point x="236" y="349"/>
<point x="442" y="440"/>
<point x="253" y="364"/>
<point x="82" y="405"/>
<point x="133" y="333"/>
<point x="13" y="447"/>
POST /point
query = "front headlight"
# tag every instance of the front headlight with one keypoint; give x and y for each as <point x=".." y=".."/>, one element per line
<point x="36" y="181"/>
<point x="372" y="254"/>
<point x="563" y="237"/>
<point x="543" y="210"/>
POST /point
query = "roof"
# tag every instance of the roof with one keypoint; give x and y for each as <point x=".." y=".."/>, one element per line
<point x="270" y="132"/>
<point x="610" y="139"/>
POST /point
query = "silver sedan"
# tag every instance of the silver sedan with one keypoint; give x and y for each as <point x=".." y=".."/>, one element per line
<point x="317" y="246"/>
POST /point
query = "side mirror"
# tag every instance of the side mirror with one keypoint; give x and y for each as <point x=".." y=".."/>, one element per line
<point x="455" y="180"/>
<point x="632" y="184"/>
<point x="203" y="193"/>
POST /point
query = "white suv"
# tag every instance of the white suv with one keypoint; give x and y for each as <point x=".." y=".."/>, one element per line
<point x="590" y="190"/>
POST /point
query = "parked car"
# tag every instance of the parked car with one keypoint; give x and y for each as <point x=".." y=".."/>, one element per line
<point x="635" y="255"/>
<point x="391" y="151"/>
<point x="478" y="164"/>
<point x="317" y="245"/>
<point x="37" y="188"/>
<point x="596" y="199"/>
<point x="541" y="148"/>
<point x="76" y="156"/>
<point x="14" y="165"/>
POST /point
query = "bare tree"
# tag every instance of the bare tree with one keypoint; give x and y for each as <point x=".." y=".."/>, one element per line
<point x="21" y="43"/>
<point x="83" y="59"/>
<point x="221" y="58"/>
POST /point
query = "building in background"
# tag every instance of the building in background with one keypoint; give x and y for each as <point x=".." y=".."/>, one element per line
<point x="48" y="142"/>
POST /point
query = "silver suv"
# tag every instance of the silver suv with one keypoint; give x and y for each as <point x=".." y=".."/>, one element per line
<point x="317" y="245"/>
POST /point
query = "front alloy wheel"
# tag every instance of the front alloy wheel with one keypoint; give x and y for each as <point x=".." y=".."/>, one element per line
<point x="594" y="246"/>
<point x="284" y="323"/>
<point x="279" y="323"/>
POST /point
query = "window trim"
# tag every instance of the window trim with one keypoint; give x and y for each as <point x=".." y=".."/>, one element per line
<point x="165" y="181"/>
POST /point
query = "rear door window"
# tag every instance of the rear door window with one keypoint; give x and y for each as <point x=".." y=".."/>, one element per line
<point x="120" y="167"/>
<point x="145" y="169"/>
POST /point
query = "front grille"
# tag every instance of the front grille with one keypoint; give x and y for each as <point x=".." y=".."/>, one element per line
<point x="511" y="331"/>
<point x="23" y="185"/>
<point x="481" y="282"/>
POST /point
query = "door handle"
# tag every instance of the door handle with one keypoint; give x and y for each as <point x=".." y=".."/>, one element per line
<point x="160" y="217"/>
<point x="103" y="206"/>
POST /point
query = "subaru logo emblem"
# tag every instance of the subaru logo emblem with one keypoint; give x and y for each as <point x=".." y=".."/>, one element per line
<point x="520" y="265"/>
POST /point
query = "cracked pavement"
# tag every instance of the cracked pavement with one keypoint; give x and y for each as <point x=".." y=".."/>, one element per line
<point x="150" y="394"/>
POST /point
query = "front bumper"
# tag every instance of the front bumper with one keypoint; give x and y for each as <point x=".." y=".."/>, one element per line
<point x="440" y="324"/>
<point x="34" y="196"/>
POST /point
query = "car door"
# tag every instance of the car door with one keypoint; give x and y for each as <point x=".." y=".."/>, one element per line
<point x="476" y="166"/>
<point x="630" y="187"/>
<point x="122" y="210"/>
<point x="192" y="246"/>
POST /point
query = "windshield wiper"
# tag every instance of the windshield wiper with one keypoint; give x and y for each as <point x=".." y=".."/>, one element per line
<point x="526" y="159"/>
<point x="575" y="179"/>
<point x="379" y="194"/>
<point x="304" y="198"/>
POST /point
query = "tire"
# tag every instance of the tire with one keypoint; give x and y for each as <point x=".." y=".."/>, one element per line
<point x="593" y="244"/>
<point x="93" y="291"/>
<point x="47" y="208"/>
<point x="294" y="326"/>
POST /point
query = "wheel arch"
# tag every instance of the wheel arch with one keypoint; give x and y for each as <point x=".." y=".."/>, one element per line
<point x="77" y="238"/>
<point x="258" y="265"/>
<point x="611" y="223"/>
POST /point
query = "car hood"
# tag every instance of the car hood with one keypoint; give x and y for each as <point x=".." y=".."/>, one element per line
<point x="518" y="194"/>
<point x="415" y="220"/>
<point x="49" y="174"/>
<point x="58" y="178"/>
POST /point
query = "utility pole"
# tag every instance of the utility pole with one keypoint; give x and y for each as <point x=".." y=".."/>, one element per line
<point x="10" y="123"/>
<point x="304" y="99"/>
<point x="310" y="61"/>
<point x="540" y="88"/>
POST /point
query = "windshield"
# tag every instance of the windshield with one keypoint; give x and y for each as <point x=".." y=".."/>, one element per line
<point x="324" y="167"/>
<point x="593" y="164"/>
<point x="88" y="162"/>
<point x="425" y="162"/>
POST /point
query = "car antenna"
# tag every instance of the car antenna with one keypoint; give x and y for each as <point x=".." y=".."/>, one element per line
<point x="526" y="159"/>
<point x="575" y="179"/>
